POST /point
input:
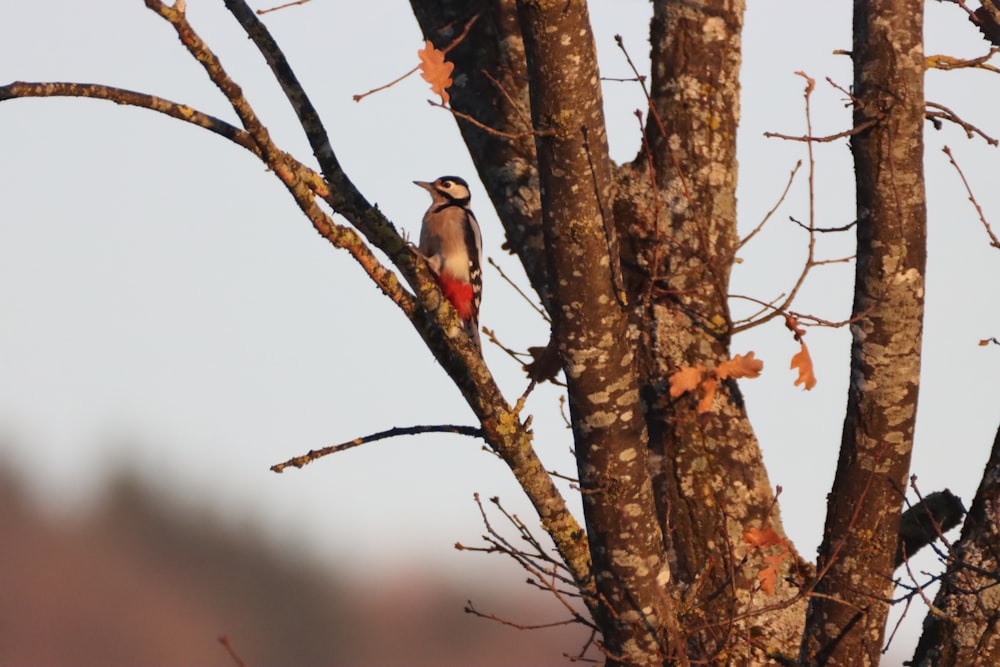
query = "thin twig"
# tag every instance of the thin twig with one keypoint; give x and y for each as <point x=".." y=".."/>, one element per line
<point x="811" y="247"/>
<point x="944" y="113"/>
<point x="824" y="230"/>
<point x="777" y="204"/>
<point x="455" y="42"/>
<point x="224" y="640"/>
<point x="656" y="116"/>
<point x="814" y="321"/>
<point x="850" y="96"/>
<point x="994" y="241"/>
<point x="537" y="309"/>
<point x="485" y="128"/>
<point x="567" y="478"/>
<point x="525" y="118"/>
<point x="470" y="609"/>
<point x="312" y="455"/>
<point x="857" y="129"/>
<point x="971" y="13"/>
<point x="492" y="337"/>
<point x="361" y="96"/>
<point x="261" y="12"/>
<point x="545" y="570"/>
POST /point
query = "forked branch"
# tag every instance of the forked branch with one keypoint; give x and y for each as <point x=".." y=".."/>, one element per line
<point x="501" y="426"/>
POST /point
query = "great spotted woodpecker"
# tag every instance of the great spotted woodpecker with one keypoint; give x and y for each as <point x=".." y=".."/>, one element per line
<point x="452" y="244"/>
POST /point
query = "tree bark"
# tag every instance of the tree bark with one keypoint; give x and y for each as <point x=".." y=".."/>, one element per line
<point x="590" y="329"/>
<point x="963" y="628"/>
<point x="846" y="622"/>
<point x="676" y="208"/>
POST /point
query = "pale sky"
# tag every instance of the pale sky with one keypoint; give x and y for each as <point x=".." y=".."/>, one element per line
<point x="164" y="306"/>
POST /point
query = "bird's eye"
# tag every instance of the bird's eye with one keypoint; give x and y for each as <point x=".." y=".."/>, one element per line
<point x="447" y="185"/>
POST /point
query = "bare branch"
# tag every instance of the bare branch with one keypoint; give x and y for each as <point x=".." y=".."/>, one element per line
<point x="283" y="166"/>
<point x="824" y="230"/>
<point x="261" y="12"/>
<point x="312" y="455"/>
<point x="131" y="98"/>
<point x="811" y="248"/>
<point x="777" y="204"/>
<point x="167" y="107"/>
<point x="546" y="572"/>
<point x="831" y="137"/>
<point x="950" y="62"/>
<point x="944" y="113"/>
<point x="485" y="128"/>
<point x="470" y="609"/>
<point x="994" y="241"/>
<point x="517" y="289"/>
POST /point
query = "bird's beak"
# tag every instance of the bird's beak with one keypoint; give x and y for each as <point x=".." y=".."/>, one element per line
<point x="425" y="185"/>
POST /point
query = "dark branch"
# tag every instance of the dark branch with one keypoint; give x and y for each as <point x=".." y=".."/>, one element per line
<point x="312" y="455"/>
<point x="944" y="113"/>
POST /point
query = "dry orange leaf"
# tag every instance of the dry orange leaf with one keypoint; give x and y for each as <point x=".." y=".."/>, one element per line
<point x="803" y="362"/>
<point x="792" y="325"/>
<point x="739" y="367"/>
<point x="769" y="575"/>
<point x="689" y="378"/>
<point x="435" y="70"/>
<point x="761" y="537"/>
<point x="686" y="379"/>
<point x="708" y="386"/>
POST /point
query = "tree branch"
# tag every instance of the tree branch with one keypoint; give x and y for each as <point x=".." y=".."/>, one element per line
<point x="501" y="425"/>
<point x="994" y="241"/>
<point x="636" y="615"/>
<point x="312" y="455"/>
<point x="175" y="110"/>
<point x="846" y="622"/>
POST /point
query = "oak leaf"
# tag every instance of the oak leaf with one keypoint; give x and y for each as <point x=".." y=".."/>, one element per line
<point x="708" y="386"/>
<point x="685" y="379"/>
<point x="761" y="537"/>
<point x="803" y="362"/>
<point x="435" y="70"/>
<point x="739" y="367"/>
<point x="769" y="575"/>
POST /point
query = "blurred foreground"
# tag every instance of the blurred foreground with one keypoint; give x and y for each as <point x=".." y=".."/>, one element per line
<point x="139" y="581"/>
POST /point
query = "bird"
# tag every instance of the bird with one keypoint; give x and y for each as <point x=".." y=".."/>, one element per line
<point x="451" y="242"/>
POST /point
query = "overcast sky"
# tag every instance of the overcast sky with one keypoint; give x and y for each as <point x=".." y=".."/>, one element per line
<point x="164" y="306"/>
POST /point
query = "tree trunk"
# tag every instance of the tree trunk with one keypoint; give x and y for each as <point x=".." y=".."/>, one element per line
<point x="846" y="622"/>
<point x="589" y="326"/>
<point x="677" y="215"/>
<point x="962" y="628"/>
